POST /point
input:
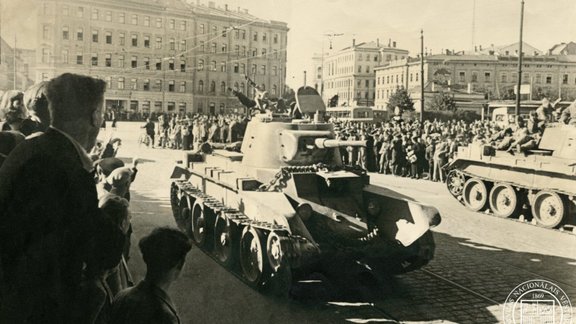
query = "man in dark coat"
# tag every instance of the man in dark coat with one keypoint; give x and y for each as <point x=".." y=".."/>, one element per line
<point x="49" y="207"/>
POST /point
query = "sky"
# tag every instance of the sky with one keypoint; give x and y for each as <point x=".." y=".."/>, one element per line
<point x="447" y="24"/>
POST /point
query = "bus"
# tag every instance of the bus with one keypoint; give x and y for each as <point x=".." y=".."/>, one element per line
<point x="503" y="113"/>
<point x="358" y="113"/>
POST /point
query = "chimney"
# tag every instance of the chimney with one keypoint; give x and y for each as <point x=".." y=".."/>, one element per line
<point x="245" y="11"/>
<point x="238" y="9"/>
<point x="377" y="42"/>
<point x="353" y="41"/>
<point x="211" y="4"/>
<point x="475" y="48"/>
<point x="389" y="41"/>
<point x="226" y="7"/>
<point x="394" y="44"/>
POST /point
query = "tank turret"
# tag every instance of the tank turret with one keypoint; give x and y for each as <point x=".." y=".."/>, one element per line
<point x="285" y="205"/>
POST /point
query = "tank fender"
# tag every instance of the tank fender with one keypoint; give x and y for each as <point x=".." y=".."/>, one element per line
<point x="399" y="217"/>
<point x="180" y="171"/>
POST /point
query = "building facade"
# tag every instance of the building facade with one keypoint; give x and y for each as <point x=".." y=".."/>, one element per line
<point x="349" y="73"/>
<point x="15" y="67"/>
<point x="156" y="56"/>
<point x="495" y="76"/>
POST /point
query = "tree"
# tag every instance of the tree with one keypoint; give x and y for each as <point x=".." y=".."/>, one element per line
<point x="400" y="99"/>
<point x="441" y="102"/>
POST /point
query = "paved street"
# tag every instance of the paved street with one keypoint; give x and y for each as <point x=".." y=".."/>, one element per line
<point x="479" y="260"/>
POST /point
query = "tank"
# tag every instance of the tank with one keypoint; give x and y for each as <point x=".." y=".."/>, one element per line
<point x="285" y="206"/>
<point x="538" y="183"/>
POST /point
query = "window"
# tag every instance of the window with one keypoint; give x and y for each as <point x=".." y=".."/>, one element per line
<point x="376" y="58"/>
<point x="367" y="83"/>
<point x="213" y="48"/>
<point x="65" y="33"/>
<point x="264" y="37"/>
<point x="201" y="29"/>
<point x="213" y="66"/>
<point x="45" y="31"/>
<point x="171" y="23"/>
<point x="108" y="37"/>
<point x="158" y="85"/>
<point x="95" y="36"/>
<point x="146" y="107"/>
<point x="274" y="71"/>
<point x="487" y="77"/>
<point x="171" y="86"/>
<point x="255" y="36"/>
<point x="474" y="76"/>
<point x="45" y="55"/>
<point x="548" y="79"/>
<point x="213" y="87"/>
<point x="243" y="52"/>
<point x="147" y="21"/>
<point x="224" y="32"/>
<point x="416" y="76"/>
<point x="183" y="25"/>
<point x="243" y="34"/>
<point x="122" y="18"/>
<point x="222" y="66"/>
<point x="122" y="39"/>
<point x="538" y="78"/>
<point x="200" y="66"/>
<point x="134" y="84"/>
<point x="158" y="42"/>
<point x="264" y="52"/>
<point x="121" y="61"/>
<point x="236" y="67"/>
<point x="171" y="64"/>
<point x="565" y="79"/>
<point x="134" y="61"/>
<point x="171" y="106"/>
<point x="214" y="31"/>
<point x="146" y="85"/>
<point x="253" y="70"/>
<point x="223" y="48"/>
<point x="242" y="68"/>
<point x="200" y="86"/>
<point x="275" y="39"/>
<point x="201" y="47"/>
<point x="359" y="68"/>
<point x="158" y="22"/>
<point x="182" y="107"/>
<point x="263" y="69"/>
<point x="65" y="56"/>
<point x="134" y="40"/>
<point x="242" y="87"/>
<point x="108" y="60"/>
<point x="182" y="86"/>
<point x="274" y="89"/>
<point x="147" y="63"/>
<point x="134" y="20"/>
<point x="182" y="65"/>
<point x="79" y="59"/>
<point x="80" y="34"/>
<point x="94" y="14"/>
<point x="108" y="16"/>
<point x="121" y="83"/>
<point x="158" y="64"/>
<point x="65" y="10"/>
<point x="182" y="45"/>
<point x="504" y="78"/>
<point x="367" y="69"/>
<point x="147" y="41"/>
<point x="172" y="44"/>
<point x="158" y="106"/>
<point x="80" y="12"/>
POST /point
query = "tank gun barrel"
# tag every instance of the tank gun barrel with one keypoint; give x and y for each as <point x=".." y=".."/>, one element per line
<point x="328" y="143"/>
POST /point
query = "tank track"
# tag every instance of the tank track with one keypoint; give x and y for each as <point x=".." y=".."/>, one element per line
<point x="293" y="246"/>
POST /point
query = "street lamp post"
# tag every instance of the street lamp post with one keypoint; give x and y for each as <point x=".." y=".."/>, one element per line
<point x="519" y="84"/>
<point x="421" y="76"/>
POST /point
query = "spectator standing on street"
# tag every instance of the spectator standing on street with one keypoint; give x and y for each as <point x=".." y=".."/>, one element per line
<point x="149" y="126"/>
<point x="49" y="207"/>
<point x="164" y="252"/>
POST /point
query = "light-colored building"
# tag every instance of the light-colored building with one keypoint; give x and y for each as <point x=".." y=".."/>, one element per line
<point x="349" y="72"/>
<point x="17" y="63"/>
<point x="563" y="49"/>
<point x="157" y="56"/>
<point x="495" y="76"/>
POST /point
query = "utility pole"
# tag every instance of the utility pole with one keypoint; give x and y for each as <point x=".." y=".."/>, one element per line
<point x="519" y="84"/>
<point x="421" y="76"/>
<point x="14" y="51"/>
<point x="304" y="77"/>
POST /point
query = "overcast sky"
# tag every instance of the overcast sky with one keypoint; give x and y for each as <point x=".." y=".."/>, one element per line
<point x="447" y="24"/>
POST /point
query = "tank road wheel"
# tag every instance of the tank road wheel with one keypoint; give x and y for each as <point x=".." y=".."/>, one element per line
<point x="455" y="182"/>
<point x="281" y="274"/>
<point x="475" y="194"/>
<point x="198" y="224"/>
<point x="184" y="219"/>
<point x="252" y="256"/>
<point x="225" y="241"/>
<point x="504" y="200"/>
<point x="549" y="209"/>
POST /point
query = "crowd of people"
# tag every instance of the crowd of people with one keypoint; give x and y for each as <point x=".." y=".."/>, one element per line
<point x="65" y="215"/>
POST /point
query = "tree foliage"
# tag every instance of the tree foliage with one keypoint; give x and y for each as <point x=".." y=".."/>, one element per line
<point x="400" y="99"/>
<point x="441" y="102"/>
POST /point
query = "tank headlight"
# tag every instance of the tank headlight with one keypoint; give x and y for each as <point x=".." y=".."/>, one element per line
<point x="373" y="207"/>
<point x="304" y="211"/>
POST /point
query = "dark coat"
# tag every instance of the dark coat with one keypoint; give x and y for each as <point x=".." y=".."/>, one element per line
<point x="48" y="211"/>
<point x="144" y="303"/>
